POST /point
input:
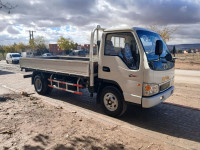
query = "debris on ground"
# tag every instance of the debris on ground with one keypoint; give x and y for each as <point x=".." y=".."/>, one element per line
<point x="33" y="98"/>
<point x="24" y="94"/>
<point x="58" y="107"/>
<point x="7" y="132"/>
<point x="74" y="112"/>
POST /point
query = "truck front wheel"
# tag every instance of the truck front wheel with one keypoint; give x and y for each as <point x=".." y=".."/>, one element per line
<point x="41" y="85"/>
<point x="112" y="101"/>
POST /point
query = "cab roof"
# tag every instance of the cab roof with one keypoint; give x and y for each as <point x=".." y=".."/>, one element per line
<point x="126" y="29"/>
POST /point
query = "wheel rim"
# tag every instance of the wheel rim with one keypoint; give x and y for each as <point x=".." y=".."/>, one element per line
<point x="38" y="84"/>
<point x="110" y="101"/>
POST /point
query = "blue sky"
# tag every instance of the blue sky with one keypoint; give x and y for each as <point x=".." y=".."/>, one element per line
<point x="76" y="18"/>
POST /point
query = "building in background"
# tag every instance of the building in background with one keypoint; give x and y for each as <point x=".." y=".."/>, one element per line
<point x="55" y="50"/>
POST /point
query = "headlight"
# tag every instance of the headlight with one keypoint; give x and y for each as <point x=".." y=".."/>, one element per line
<point x="150" y="89"/>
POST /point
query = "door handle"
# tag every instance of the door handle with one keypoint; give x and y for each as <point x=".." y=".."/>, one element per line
<point x="106" y="69"/>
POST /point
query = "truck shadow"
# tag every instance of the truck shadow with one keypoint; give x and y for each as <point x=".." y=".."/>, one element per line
<point x="173" y="120"/>
<point x="168" y="119"/>
<point x="5" y="72"/>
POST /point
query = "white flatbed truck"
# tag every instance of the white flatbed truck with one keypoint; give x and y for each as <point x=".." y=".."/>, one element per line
<point x="132" y="65"/>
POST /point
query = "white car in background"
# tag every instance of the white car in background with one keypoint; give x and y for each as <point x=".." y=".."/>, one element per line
<point x="12" y="58"/>
<point x="47" y="55"/>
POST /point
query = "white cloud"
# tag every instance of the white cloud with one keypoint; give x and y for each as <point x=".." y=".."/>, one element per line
<point x="76" y="18"/>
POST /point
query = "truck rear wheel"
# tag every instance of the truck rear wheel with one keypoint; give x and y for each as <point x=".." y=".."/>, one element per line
<point x="112" y="101"/>
<point x="41" y="85"/>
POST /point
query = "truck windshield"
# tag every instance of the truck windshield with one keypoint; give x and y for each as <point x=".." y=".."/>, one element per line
<point x="148" y="40"/>
<point x="16" y="55"/>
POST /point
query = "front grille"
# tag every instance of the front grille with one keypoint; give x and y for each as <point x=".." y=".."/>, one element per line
<point x="164" y="86"/>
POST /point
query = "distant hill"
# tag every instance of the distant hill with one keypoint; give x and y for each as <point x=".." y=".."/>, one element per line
<point x="184" y="46"/>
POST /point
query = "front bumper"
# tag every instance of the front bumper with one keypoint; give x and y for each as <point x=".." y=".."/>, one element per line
<point x="148" y="102"/>
<point x="15" y="61"/>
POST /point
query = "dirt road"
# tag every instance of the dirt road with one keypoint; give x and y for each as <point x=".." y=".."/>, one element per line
<point x="187" y="76"/>
<point x="64" y="120"/>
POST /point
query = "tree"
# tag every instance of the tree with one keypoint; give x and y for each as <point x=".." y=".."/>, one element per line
<point x="2" y="51"/>
<point x="65" y="43"/>
<point x="7" y="6"/>
<point x="32" y="44"/>
<point x="76" y="44"/>
<point x="20" y="47"/>
<point x="38" y="44"/>
<point x="189" y="51"/>
<point x="179" y="51"/>
<point x="164" y="31"/>
<point x="174" y="50"/>
<point x="9" y="49"/>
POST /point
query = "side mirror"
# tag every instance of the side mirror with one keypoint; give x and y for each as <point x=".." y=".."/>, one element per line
<point x="159" y="47"/>
<point x="168" y="57"/>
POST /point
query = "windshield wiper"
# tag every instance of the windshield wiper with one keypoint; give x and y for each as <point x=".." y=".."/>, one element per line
<point x="157" y="60"/>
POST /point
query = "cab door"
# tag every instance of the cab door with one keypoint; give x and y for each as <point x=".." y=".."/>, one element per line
<point x="120" y="63"/>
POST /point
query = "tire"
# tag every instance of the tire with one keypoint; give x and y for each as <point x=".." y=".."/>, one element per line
<point x="7" y="62"/>
<point x="41" y="85"/>
<point x="112" y="101"/>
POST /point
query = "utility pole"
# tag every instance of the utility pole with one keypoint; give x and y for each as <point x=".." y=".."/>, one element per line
<point x="31" y="34"/>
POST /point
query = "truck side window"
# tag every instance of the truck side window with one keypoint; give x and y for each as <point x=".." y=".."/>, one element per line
<point x="124" y="46"/>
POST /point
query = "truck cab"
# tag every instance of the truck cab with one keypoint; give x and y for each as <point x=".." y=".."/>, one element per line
<point x="128" y="58"/>
<point x="129" y="62"/>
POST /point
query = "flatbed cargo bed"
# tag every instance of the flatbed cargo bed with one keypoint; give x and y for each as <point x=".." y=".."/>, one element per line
<point x="78" y="66"/>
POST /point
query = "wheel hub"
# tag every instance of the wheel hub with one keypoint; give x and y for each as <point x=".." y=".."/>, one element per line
<point x="38" y="84"/>
<point x="110" y="102"/>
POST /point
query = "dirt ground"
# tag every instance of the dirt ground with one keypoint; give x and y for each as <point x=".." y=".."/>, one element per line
<point x="190" y="61"/>
<point x="187" y="66"/>
<point x="29" y="123"/>
<point x="64" y="121"/>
